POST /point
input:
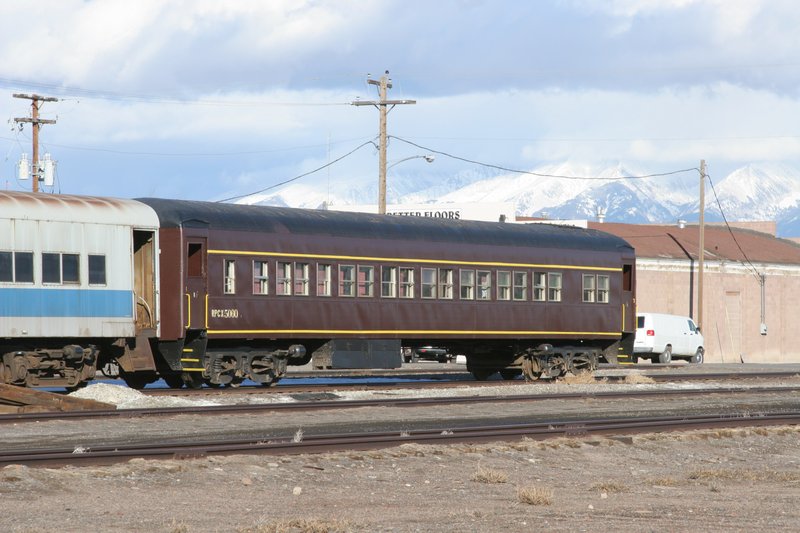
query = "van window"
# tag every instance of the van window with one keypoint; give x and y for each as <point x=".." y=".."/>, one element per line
<point x="639" y="322"/>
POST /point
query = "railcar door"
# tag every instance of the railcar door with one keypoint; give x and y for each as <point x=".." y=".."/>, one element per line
<point x="628" y="297"/>
<point x="196" y="282"/>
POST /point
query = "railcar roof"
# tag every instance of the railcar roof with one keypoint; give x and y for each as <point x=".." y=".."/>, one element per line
<point x="223" y="216"/>
<point x="72" y="208"/>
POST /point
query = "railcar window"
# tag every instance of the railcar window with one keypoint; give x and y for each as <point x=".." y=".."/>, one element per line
<point x="283" y="278"/>
<point x="347" y="280"/>
<point x="51" y="268"/>
<point x="97" y="269"/>
<point x="388" y="281"/>
<point x="366" y="281"/>
<point x="406" y="282"/>
<point x="602" y="289"/>
<point x="229" y="286"/>
<point x="503" y="285"/>
<point x="428" y="282"/>
<point x="323" y="279"/>
<point x="554" y="286"/>
<point x="467" y="284"/>
<point x="301" y="279"/>
<point x="194" y="260"/>
<point x="23" y="267"/>
<point x="520" y="286"/>
<point x="484" y="285"/>
<point x="260" y="277"/>
<point x="6" y="266"/>
<point x="539" y="286"/>
<point x="70" y="268"/>
<point x="588" y="288"/>
<point x="446" y="283"/>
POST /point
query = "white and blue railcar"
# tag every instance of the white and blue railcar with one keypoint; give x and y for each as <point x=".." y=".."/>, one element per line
<point x="76" y="274"/>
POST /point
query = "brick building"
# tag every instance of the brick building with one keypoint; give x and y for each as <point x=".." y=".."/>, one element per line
<point x="736" y="302"/>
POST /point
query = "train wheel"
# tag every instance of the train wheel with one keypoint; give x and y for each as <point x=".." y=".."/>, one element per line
<point x="531" y="369"/>
<point x="509" y="375"/>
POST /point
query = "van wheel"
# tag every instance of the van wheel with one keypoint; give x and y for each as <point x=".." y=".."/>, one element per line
<point x="665" y="357"/>
<point x="697" y="358"/>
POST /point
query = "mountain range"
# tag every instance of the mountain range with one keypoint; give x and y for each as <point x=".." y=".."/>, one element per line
<point x="580" y="191"/>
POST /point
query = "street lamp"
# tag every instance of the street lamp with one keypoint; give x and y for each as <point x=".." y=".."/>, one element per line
<point x="382" y="193"/>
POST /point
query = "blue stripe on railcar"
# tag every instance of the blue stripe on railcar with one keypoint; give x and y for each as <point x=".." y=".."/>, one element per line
<point x="83" y="303"/>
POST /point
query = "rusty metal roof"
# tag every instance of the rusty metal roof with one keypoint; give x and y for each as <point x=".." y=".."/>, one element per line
<point x="71" y="208"/>
<point x="673" y="242"/>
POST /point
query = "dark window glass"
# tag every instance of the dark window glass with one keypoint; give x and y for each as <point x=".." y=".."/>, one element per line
<point x="639" y="322"/>
<point x="97" y="270"/>
<point x="6" y="267"/>
<point x="70" y="272"/>
<point x="23" y="267"/>
<point x="51" y="268"/>
<point x="194" y="260"/>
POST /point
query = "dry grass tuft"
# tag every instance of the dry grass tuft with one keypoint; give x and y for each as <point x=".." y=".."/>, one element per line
<point x="178" y="527"/>
<point x="487" y="475"/>
<point x="610" y="487"/>
<point x="535" y="495"/>
<point x="638" y="379"/>
<point x="581" y="378"/>
<point x="301" y="525"/>
<point x="665" y="482"/>
<point x="745" y="475"/>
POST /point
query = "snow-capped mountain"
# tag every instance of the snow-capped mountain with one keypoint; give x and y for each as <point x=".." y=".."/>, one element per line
<point x="573" y="190"/>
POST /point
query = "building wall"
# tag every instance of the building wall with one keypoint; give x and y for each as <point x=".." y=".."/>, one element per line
<point x="731" y="323"/>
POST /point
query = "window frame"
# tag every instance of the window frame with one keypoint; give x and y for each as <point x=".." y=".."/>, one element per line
<point x="517" y="287"/>
<point x="588" y="290"/>
<point x="428" y="288"/>
<point x="300" y="278"/>
<point x="466" y="287"/>
<point x="283" y="278"/>
<point x="388" y="287"/>
<point x="554" y="290"/>
<point x="504" y="289"/>
<point x="346" y="283"/>
<point x="445" y="281"/>
<point x="405" y="288"/>
<point x="260" y="277"/>
<point x="92" y="281"/>
<point x="324" y="280"/>
<point x="603" y="293"/>
<point x="365" y="288"/>
<point x="483" y="292"/>
<point x="539" y="292"/>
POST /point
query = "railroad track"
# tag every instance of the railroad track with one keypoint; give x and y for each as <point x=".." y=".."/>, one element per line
<point x="376" y="440"/>
<point x="449" y="379"/>
<point x="319" y="405"/>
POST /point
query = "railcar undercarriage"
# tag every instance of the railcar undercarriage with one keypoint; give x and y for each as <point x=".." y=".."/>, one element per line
<point x="544" y="360"/>
<point x="69" y="366"/>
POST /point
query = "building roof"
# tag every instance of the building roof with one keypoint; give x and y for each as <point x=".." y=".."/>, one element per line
<point x="673" y="242"/>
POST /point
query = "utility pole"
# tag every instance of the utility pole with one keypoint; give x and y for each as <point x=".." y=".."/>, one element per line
<point x="702" y="251"/>
<point x="383" y="84"/>
<point x="35" y="122"/>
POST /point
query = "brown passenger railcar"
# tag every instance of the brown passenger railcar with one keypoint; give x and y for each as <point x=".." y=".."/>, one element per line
<point x="246" y="289"/>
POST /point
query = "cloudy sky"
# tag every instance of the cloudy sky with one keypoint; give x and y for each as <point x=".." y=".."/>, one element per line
<point x="209" y="99"/>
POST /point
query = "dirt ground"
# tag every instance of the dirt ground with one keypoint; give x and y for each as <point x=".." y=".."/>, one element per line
<point x="733" y="480"/>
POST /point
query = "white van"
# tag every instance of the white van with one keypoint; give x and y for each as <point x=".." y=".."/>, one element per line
<point x="662" y="338"/>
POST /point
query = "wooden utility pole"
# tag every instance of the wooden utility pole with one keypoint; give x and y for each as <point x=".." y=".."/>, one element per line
<point x="383" y="84"/>
<point x="35" y="122"/>
<point x="702" y="251"/>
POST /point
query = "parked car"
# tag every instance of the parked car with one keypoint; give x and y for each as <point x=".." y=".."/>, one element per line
<point x="412" y="354"/>
<point x="662" y="338"/>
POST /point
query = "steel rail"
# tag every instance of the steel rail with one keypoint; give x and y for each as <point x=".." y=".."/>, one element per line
<point x="376" y="440"/>
<point x="383" y="402"/>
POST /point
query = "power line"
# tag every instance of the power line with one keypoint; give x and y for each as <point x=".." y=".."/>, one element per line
<point x="372" y="142"/>
<point x="752" y="267"/>
<point x="540" y="174"/>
